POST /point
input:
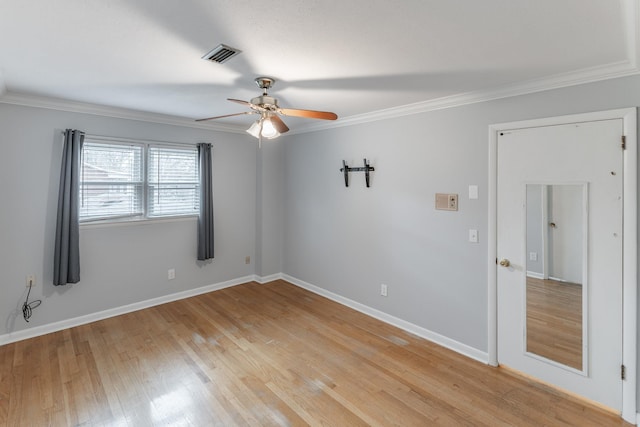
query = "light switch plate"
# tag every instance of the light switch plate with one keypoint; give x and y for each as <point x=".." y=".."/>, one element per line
<point x="473" y="192"/>
<point x="473" y="236"/>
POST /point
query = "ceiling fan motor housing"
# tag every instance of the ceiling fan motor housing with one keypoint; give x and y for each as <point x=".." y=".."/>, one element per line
<point x="265" y="101"/>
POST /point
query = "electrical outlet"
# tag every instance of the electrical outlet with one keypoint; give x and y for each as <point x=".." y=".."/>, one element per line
<point x="533" y="256"/>
<point x="171" y="274"/>
<point x="453" y="202"/>
<point x="31" y="280"/>
<point x="247" y="259"/>
<point x="383" y="290"/>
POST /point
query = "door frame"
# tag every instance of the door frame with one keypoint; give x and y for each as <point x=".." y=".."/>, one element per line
<point x="629" y="246"/>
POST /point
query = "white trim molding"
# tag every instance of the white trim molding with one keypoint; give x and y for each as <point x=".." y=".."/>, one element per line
<point x="266" y="279"/>
<point x="534" y="274"/>
<point x="384" y="317"/>
<point x="630" y="241"/>
<point x="587" y="75"/>
<point x="28" y="100"/>
<point x="105" y="314"/>
<point x="625" y="68"/>
<point x="434" y="337"/>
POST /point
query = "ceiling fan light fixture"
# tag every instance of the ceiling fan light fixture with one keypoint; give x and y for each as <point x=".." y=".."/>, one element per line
<point x="263" y="128"/>
<point x="255" y="129"/>
<point x="269" y="131"/>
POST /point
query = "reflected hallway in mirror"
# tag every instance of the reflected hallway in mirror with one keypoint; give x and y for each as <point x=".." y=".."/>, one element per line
<point x="556" y="269"/>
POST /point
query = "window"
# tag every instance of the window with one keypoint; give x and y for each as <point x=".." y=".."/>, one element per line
<point x="137" y="180"/>
<point x="172" y="177"/>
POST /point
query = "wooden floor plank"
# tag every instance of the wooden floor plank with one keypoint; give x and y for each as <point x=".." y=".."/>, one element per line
<point x="264" y="355"/>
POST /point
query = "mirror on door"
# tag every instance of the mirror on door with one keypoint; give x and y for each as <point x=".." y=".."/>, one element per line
<point x="556" y="245"/>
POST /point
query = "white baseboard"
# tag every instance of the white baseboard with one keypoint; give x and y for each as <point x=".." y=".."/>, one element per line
<point x="434" y="337"/>
<point x="266" y="279"/>
<point x="82" y="320"/>
<point x="387" y="318"/>
<point x="535" y="275"/>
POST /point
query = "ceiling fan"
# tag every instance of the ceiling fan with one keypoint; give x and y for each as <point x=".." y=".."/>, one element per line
<point x="270" y="125"/>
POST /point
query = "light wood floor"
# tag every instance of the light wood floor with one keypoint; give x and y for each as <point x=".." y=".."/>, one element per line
<point x="554" y="320"/>
<point x="264" y="355"/>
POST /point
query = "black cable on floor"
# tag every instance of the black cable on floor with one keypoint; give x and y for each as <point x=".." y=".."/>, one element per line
<point x="27" y="307"/>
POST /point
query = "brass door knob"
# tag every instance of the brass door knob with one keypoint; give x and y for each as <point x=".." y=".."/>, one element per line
<point x="505" y="262"/>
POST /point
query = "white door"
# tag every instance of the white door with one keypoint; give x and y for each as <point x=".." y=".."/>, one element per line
<point x="534" y="334"/>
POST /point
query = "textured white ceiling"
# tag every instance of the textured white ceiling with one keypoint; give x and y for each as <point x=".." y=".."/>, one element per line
<point x="352" y="57"/>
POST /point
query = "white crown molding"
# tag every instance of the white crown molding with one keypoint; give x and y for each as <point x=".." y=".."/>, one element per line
<point x="587" y="75"/>
<point x="29" y="100"/>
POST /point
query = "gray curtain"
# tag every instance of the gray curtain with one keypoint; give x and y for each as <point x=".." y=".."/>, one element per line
<point x="205" y="219"/>
<point x="66" y="262"/>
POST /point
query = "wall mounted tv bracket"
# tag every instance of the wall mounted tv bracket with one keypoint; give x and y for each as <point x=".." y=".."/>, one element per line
<point x="366" y="169"/>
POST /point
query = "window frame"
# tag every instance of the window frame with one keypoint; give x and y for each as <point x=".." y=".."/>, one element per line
<point x="144" y="169"/>
<point x="148" y="184"/>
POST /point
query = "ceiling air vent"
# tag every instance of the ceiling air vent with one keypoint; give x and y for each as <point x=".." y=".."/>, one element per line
<point x="221" y="54"/>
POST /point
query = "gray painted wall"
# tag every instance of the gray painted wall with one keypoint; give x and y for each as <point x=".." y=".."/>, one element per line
<point x="120" y="264"/>
<point x="350" y="240"/>
<point x="308" y="225"/>
<point x="566" y="242"/>
<point x="269" y="218"/>
<point x="535" y="229"/>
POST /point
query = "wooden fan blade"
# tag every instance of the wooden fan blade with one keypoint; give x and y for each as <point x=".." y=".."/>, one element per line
<point x="240" y="101"/>
<point x="309" y="114"/>
<point x="279" y="124"/>
<point x="226" y="115"/>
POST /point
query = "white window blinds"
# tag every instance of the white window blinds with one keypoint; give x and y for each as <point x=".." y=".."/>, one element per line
<point x="121" y="180"/>
<point x="172" y="176"/>
<point x="111" y="183"/>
